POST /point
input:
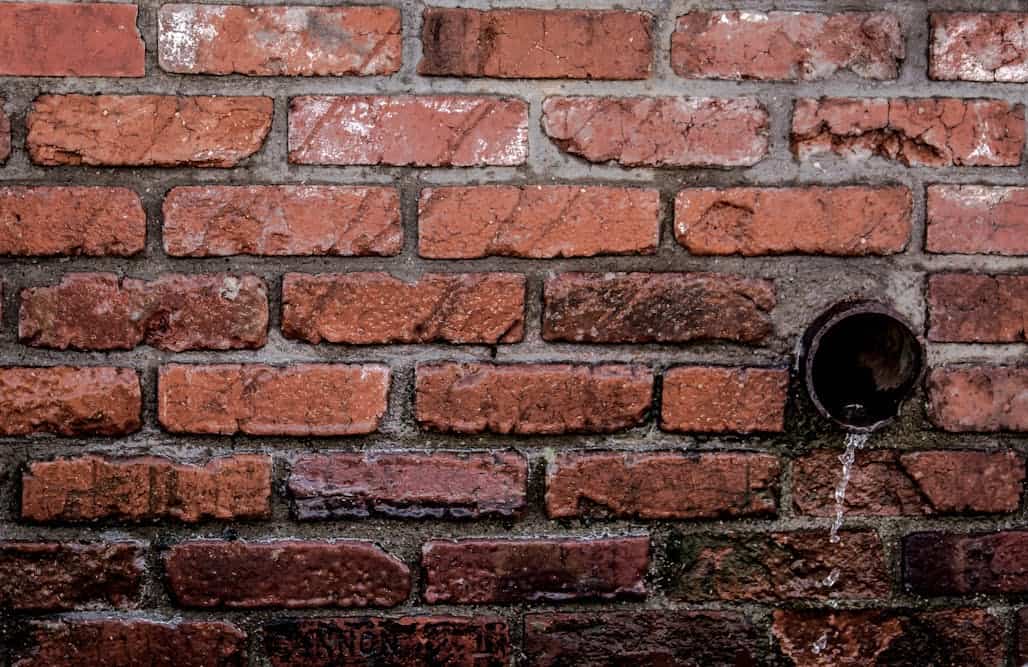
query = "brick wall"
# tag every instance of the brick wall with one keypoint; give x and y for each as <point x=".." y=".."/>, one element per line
<point x="466" y="335"/>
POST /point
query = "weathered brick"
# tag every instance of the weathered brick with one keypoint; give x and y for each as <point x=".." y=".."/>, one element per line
<point x="427" y="131"/>
<point x="43" y="221"/>
<point x="132" y="642"/>
<point x="662" y="485"/>
<point x="100" y="311"/>
<point x="298" y="400"/>
<point x="659" y="131"/>
<point x="917" y="132"/>
<point x="537" y="221"/>
<point x="5" y="133"/>
<point x="645" y="637"/>
<point x="834" y="638"/>
<point x="368" y="308"/>
<point x="848" y="221"/>
<point x="146" y="488"/>
<point x="960" y="564"/>
<point x="455" y="641"/>
<point x="656" y="307"/>
<point x="778" y="566"/>
<point x="273" y="41"/>
<point x="70" y="39"/>
<point x="146" y="130"/>
<point x="979" y="398"/>
<point x="532" y="398"/>
<point x="52" y="576"/>
<point x="208" y="573"/>
<point x="533" y="44"/>
<point x="970" y="219"/>
<point x="713" y="399"/>
<point x="894" y="483"/>
<point x="484" y="571"/>
<point x="67" y="400"/>
<point x="786" y="46"/>
<point x="408" y="485"/>
<point x="990" y="47"/>
<point x="977" y="308"/>
<point x="205" y="221"/>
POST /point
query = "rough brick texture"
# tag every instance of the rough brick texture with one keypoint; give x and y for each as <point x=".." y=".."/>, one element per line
<point x="958" y="564"/>
<point x="210" y="573"/>
<point x="786" y="46"/>
<point x="367" y="308"/>
<point x="273" y="41"/>
<point x="47" y="221"/>
<point x="65" y="39"/>
<point x="659" y="131"/>
<point x="537" y="222"/>
<point x="977" y="308"/>
<point x="530" y="44"/>
<point x="432" y="131"/>
<point x="146" y="489"/>
<point x="969" y="219"/>
<point x="299" y="400"/>
<point x="130" y="642"/>
<point x="656" y="308"/>
<point x="917" y="132"/>
<point x="979" y="398"/>
<point x="507" y="571"/>
<point x="717" y="400"/>
<point x="100" y="311"/>
<point x="408" y="485"/>
<point x="662" y="485"/>
<point x="989" y="47"/>
<point x="849" y="221"/>
<point x="531" y="398"/>
<point x="146" y="130"/>
<point x="204" y="221"/>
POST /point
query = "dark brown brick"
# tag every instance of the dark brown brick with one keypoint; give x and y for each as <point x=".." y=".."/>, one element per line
<point x="977" y="308"/>
<point x="714" y="399"/>
<point x="960" y="564"/>
<point x="979" y="398"/>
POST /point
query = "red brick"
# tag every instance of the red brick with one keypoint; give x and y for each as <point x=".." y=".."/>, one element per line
<point x="368" y="308"/>
<point x="207" y="221"/>
<point x="235" y="575"/>
<point x="51" y="576"/>
<point x="833" y="638"/>
<point x="713" y="399"/>
<point x="990" y="47"/>
<point x="970" y="219"/>
<point x="298" y="400"/>
<point x="534" y="570"/>
<point x="66" y="400"/>
<point x="917" y="132"/>
<point x="427" y="131"/>
<point x="892" y="483"/>
<point x="455" y="641"/>
<point x="146" y="130"/>
<point x="58" y="39"/>
<point x="656" y="307"/>
<point x="132" y="642"/>
<point x="786" y="46"/>
<point x="532" y="398"/>
<point x="533" y="44"/>
<point x="979" y="398"/>
<point x="274" y="41"/>
<point x="5" y="134"/>
<point x="961" y="564"/>
<point x="977" y="308"/>
<point x="659" y="131"/>
<point x="848" y="221"/>
<point x="146" y="488"/>
<point x="779" y="566"/>
<point x="100" y="311"/>
<point x="43" y="221"/>
<point x="408" y="485"/>
<point x="662" y="485"/>
<point x="669" y="638"/>
<point x="537" y="221"/>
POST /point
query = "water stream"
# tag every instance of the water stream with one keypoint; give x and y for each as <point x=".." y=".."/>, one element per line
<point x="854" y="442"/>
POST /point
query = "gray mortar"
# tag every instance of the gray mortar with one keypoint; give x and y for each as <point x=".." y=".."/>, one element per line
<point x="805" y="286"/>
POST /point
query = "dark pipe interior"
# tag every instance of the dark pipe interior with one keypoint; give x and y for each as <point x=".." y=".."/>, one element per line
<point x="862" y="363"/>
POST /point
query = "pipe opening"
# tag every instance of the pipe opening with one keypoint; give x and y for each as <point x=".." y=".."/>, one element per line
<point x="861" y="360"/>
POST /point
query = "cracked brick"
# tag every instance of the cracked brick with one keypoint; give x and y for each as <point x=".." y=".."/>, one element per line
<point x="978" y="398"/>
<point x="714" y="399"/>
<point x="977" y="308"/>
<point x="986" y="47"/>
<point x="970" y="219"/>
